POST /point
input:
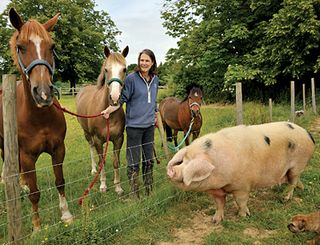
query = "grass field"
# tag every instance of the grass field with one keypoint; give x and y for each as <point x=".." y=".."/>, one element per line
<point x="108" y="219"/>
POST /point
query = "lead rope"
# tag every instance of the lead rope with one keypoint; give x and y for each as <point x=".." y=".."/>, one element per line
<point x="176" y="148"/>
<point x="86" y="192"/>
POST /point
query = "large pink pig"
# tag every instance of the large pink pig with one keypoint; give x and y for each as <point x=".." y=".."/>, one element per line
<point x="239" y="159"/>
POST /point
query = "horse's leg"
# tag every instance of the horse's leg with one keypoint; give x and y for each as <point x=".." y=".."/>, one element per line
<point x="175" y="137"/>
<point x="117" y="144"/>
<point x="57" y="160"/>
<point x="195" y="134"/>
<point x="93" y="162"/>
<point x="187" y="138"/>
<point x="29" y="175"/>
<point x="99" y="148"/>
<point x="92" y="152"/>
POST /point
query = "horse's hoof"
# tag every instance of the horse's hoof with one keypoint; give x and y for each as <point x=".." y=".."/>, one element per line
<point x="67" y="218"/>
<point x="103" y="189"/>
<point x="120" y="192"/>
<point x="36" y="229"/>
<point x="93" y="172"/>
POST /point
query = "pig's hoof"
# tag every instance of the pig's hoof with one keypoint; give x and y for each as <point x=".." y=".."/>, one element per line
<point x="217" y="219"/>
<point x="244" y="213"/>
<point x="287" y="197"/>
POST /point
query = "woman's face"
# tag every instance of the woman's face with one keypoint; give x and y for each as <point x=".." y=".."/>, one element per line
<point x="145" y="63"/>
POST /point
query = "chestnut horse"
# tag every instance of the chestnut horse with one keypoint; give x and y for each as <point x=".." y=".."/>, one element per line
<point x="41" y="127"/>
<point x="180" y="115"/>
<point x="93" y="99"/>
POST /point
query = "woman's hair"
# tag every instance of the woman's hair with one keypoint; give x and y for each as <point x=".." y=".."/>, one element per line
<point x="153" y="69"/>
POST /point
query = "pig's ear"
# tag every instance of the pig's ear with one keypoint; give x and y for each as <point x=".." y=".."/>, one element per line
<point x="177" y="158"/>
<point x="196" y="171"/>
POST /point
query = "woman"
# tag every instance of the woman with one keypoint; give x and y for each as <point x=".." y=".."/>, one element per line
<point x="140" y="93"/>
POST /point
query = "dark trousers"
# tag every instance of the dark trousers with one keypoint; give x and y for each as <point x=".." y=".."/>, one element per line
<point x="139" y="141"/>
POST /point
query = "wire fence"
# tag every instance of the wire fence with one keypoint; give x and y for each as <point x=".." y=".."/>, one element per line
<point x="111" y="214"/>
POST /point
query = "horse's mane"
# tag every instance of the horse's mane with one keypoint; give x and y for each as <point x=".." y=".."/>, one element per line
<point x="111" y="59"/>
<point x="30" y="27"/>
<point x="192" y="89"/>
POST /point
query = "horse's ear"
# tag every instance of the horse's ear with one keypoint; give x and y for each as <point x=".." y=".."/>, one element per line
<point x="51" y="23"/>
<point x="106" y="51"/>
<point x="125" y="51"/>
<point x="15" y="19"/>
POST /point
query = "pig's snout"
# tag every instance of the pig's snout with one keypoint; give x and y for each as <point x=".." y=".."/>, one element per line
<point x="171" y="173"/>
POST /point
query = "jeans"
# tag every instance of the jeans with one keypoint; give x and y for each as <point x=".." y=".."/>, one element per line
<point x="139" y="139"/>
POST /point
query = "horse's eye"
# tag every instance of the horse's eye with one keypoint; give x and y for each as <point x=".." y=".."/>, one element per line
<point x="124" y="70"/>
<point x="22" y="49"/>
<point x="105" y="70"/>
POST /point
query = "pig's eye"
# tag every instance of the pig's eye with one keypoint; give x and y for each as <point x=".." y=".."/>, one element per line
<point x="178" y="163"/>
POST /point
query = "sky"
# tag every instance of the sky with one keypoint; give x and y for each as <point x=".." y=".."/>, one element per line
<point x="140" y="24"/>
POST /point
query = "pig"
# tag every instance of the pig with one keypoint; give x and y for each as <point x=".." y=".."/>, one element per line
<point x="239" y="159"/>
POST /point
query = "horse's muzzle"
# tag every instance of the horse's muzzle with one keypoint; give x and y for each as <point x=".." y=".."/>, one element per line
<point x="113" y="102"/>
<point x="43" y="95"/>
<point x="195" y="113"/>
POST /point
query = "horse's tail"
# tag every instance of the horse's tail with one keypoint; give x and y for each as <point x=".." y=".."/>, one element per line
<point x="169" y="133"/>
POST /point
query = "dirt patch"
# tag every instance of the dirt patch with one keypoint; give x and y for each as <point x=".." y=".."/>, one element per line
<point x="258" y="234"/>
<point x="199" y="227"/>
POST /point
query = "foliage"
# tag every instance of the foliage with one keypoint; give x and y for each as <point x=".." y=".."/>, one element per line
<point x="264" y="44"/>
<point x="80" y="36"/>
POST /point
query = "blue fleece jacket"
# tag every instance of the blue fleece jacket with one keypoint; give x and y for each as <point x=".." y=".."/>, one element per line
<point x="141" y="100"/>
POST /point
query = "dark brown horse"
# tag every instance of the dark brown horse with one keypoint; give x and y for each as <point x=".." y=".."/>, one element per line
<point x="93" y="99"/>
<point x="180" y="115"/>
<point x="41" y="127"/>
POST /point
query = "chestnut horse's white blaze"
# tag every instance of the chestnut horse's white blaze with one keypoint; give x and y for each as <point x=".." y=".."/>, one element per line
<point x="94" y="99"/>
<point x="37" y="42"/>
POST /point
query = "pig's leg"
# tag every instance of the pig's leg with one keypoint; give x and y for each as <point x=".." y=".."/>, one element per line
<point x="293" y="180"/>
<point x="220" y="200"/>
<point x="241" y="198"/>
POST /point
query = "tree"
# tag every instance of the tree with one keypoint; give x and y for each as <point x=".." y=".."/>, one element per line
<point x="80" y="36"/>
<point x="263" y="43"/>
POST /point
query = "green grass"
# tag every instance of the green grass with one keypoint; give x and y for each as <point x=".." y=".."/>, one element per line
<point x="107" y="219"/>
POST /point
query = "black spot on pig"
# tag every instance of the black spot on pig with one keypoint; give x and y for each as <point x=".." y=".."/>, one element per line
<point x="207" y="144"/>
<point x="290" y="126"/>
<point x="267" y="140"/>
<point x="291" y="145"/>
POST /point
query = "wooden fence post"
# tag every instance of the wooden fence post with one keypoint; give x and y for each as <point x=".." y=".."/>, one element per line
<point x="270" y="109"/>
<point x="292" y="101"/>
<point x="313" y="93"/>
<point x="11" y="160"/>
<point x="304" y="97"/>
<point x="239" y="103"/>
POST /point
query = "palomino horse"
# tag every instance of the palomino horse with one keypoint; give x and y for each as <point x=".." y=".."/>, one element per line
<point x="41" y="127"/>
<point x="180" y="115"/>
<point x="92" y="99"/>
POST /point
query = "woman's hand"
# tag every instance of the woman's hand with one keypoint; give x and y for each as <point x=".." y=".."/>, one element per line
<point x="106" y="113"/>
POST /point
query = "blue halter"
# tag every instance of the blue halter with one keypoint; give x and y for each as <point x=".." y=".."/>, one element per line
<point x="115" y="80"/>
<point x="34" y="63"/>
